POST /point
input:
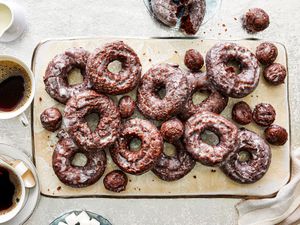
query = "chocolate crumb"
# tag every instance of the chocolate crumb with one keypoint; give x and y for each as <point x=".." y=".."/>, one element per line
<point x="195" y="177"/>
<point x="175" y="52"/>
<point x="58" y="188"/>
<point x="150" y="60"/>
<point x="40" y="99"/>
<point x="213" y="171"/>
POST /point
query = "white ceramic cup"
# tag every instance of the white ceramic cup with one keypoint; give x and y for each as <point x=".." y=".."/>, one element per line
<point x="12" y="20"/>
<point x="20" y="111"/>
<point x="17" y="172"/>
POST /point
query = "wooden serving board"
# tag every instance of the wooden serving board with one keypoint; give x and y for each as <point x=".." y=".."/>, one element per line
<point x="202" y="181"/>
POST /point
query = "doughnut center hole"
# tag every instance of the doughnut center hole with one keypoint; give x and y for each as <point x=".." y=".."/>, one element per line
<point x="75" y="77"/>
<point x="233" y="66"/>
<point x="92" y="120"/>
<point x="161" y="91"/>
<point x="210" y="138"/>
<point x="79" y="160"/>
<point x="199" y="96"/>
<point x="115" y="66"/>
<point x="169" y="149"/>
<point x="135" y="144"/>
<point x="244" y="156"/>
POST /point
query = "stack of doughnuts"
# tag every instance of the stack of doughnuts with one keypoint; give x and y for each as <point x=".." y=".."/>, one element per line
<point x="182" y="122"/>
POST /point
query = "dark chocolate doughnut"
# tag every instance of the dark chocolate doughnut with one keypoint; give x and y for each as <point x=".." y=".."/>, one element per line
<point x="264" y="114"/>
<point x="276" y="135"/>
<point x="253" y="169"/>
<point x="255" y="20"/>
<point x="137" y="162"/>
<point x="266" y="53"/>
<point x="114" y="83"/>
<point x="165" y="11"/>
<point x="51" y="119"/>
<point x="172" y="130"/>
<point x="171" y="168"/>
<point x="242" y="113"/>
<point x="224" y="78"/>
<point x="126" y="106"/>
<point x="115" y="181"/>
<point x="194" y="12"/>
<point x="204" y="153"/>
<point x="215" y="102"/>
<point x="77" y="176"/>
<point x="56" y="76"/>
<point x="107" y="129"/>
<point x="167" y="76"/>
<point x="275" y="74"/>
<point x="193" y="60"/>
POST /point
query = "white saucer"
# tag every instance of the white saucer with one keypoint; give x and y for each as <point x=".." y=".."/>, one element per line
<point x="32" y="195"/>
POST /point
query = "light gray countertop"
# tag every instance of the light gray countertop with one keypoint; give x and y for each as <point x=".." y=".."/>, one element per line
<point x="65" y="18"/>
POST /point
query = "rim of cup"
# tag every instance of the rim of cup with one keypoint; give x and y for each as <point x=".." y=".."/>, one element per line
<point x="15" y="113"/>
<point x="13" y="212"/>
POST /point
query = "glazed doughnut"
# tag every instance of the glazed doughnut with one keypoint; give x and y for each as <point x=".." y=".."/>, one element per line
<point x="165" y="11"/>
<point x="51" y="119"/>
<point x="224" y="78"/>
<point x="115" y="181"/>
<point x="126" y="106"/>
<point x="56" y="76"/>
<point x="255" y="20"/>
<point x="276" y="135"/>
<point x="253" y="169"/>
<point x="137" y="162"/>
<point x="167" y="76"/>
<point x="172" y="130"/>
<point x="215" y="102"/>
<point x="193" y="15"/>
<point x="77" y="176"/>
<point x="171" y="168"/>
<point x="107" y="129"/>
<point x="204" y="153"/>
<point x="114" y="83"/>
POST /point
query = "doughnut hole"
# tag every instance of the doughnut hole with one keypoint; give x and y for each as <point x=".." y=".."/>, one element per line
<point x="135" y="144"/>
<point x="115" y="66"/>
<point x="210" y="138"/>
<point x="234" y="66"/>
<point x="161" y="91"/>
<point x="75" y="76"/>
<point x="169" y="149"/>
<point x="199" y="96"/>
<point x="92" y="120"/>
<point x="79" y="160"/>
<point x="244" y="156"/>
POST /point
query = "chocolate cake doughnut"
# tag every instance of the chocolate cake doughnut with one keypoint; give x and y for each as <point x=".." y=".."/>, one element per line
<point x="56" y="75"/>
<point x="194" y="12"/>
<point x="115" y="181"/>
<point x="215" y="102"/>
<point x="172" y="130"/>
<point x="276" y="135"/>
<point x="114" y="83"/>
<point x="275" y="74"/>
<point x="255" y="20"/>
<point x="77" y="176"/>
<point x="242" y="113"/>
<point x="107" y="129"/>
<point x="266" y="53"/>
<point x="137" y="162"/>
<point x="257" y="164"/>
<point x="51" y="119"/>
<point x="165" y="11"/>
<point x="224" y="78"/>
<point x="193" y="60"/>
<point x="167" y="76"/>
<point x="210" y="155"/>
<point x="171" y="168"/>
<point x="264" y="114"/>
<point x="126" y="106"/>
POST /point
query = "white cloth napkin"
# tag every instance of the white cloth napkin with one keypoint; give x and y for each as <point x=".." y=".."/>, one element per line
<point x="283" y="209"/>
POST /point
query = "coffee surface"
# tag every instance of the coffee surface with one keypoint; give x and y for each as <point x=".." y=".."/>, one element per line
<point x="14" y="86"/>
<point x="7" y="191"/>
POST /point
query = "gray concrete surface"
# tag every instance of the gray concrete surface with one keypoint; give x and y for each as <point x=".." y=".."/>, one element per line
<point x="66" y="18"/>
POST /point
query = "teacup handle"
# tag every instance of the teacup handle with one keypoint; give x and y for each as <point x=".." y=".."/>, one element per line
<point x="23" y="119"/>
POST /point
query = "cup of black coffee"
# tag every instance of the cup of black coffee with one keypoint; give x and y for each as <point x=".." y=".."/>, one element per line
<point x="12" y="191"/>
<point x="16" y="88"/>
